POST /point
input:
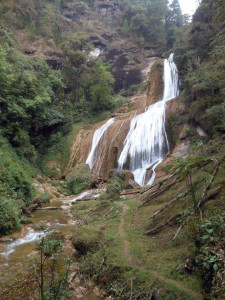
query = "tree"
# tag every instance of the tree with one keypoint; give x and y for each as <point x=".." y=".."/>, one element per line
<point x="51" y="271"/>
<point x="174" y="23"/>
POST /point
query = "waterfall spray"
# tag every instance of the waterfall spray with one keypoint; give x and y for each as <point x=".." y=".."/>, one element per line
<point x="97" y="142"/>
<point x="146" y="144"/>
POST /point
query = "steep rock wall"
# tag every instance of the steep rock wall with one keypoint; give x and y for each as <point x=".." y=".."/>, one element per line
<point x="112" y="142"/>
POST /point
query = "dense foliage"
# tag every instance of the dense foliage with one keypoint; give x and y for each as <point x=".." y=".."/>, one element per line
<point x="209" y="237"/>
<point x="15" y="186"/>
<point x="201" y="62"/>
<point x="156" y="22"/>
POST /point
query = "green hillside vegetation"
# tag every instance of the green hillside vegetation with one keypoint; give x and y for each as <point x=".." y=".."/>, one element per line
<point x="168" y="242"/>
<point x="201" y="62"/>
<point x="39" y="104"/>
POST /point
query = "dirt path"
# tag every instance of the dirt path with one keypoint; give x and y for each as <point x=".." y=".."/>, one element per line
<point x="122" y="233"/>
<point x="128" y="256"/>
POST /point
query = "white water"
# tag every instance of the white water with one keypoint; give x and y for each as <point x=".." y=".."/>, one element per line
<point x="96" y="52"/>
<point x="146" y="144"/>
<point x="98" y="140"/>
<point x="79" y="197"/>
<point x="30" y="237"/>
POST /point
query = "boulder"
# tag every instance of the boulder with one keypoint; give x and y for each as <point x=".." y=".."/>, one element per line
<point x="123" y="174"/>
<point x="131" y="184"/>
<point x="94" y="181"/>
<point x="185" y="133"/>
<point x="54" y="169"/>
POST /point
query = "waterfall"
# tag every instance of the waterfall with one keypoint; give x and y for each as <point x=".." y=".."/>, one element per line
<point x="146" y="144"/>
<point x="97" y="142"/>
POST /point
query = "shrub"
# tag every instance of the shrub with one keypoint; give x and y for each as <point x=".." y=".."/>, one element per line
<point x="113" y="189"/>
<point x="45" y="197"/>
<point x="9" y="216"/>
<point x="209" y="237"/>
<point x="78" y="179"/>
<point x="87" y="239"/>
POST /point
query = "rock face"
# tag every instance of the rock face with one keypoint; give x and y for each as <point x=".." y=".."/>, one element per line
<point x="54" y="169"/>
<point x="123" y="174"/>
<point x="131" y="184"/>
<point x="81" y="169"/>
<point x="112" y="141"/>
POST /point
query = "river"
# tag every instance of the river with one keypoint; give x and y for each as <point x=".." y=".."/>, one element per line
<point x="16" y="248"/>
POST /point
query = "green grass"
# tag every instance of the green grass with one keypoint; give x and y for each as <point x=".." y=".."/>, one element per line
<point x="151" y="258"/>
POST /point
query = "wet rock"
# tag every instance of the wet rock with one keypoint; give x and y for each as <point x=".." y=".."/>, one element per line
<point x="95" y="181"/>
<point x="123" y="174"/>
<point x="131" y="184"/>
<point x="5" y="240"/>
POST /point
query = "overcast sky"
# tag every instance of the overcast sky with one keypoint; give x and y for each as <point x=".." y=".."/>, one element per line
<point x="188" y="6"/>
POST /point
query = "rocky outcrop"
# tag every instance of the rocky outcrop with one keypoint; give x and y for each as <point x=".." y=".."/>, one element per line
<point x="53" y="168"/>
<point x="42" y="48"/>
<point x="113" y="140"/>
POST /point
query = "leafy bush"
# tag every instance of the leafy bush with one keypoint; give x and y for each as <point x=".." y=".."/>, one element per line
<point x="78" y="179"/>
<point x="77" y="183"/>
<point x="87" y="239"/>
<point x="45" y="197"/>
<point x="113" y="189"/>
<point x="217" y="115"/>
<point x="9" y="216"/>
<point x="209" y="237"/>
<point x="14" y="180"/>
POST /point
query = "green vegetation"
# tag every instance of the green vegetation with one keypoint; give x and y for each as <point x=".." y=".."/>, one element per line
<point x="52" y="271"/>
<point x="209" y="237"/>
<point x="9" y="216"/>
<point x="50" y="86"/>
<point x="200" y="58"/>
<point x="15" y="186"/>
<point x="78" y="179"/>
<point x="47" y="274"/>
<point x="176" y="257"/>
<point x="154" y="21"/>
<point x="108" y="265"/>
<point x="87" y="239"/>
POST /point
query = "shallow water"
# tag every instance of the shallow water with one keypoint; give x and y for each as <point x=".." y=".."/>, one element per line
<point x="15" y="252"/>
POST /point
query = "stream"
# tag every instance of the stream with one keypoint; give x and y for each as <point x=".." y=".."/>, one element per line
<point x="16" y="248"/>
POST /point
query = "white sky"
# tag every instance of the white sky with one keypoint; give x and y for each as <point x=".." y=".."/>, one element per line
<point x="188" y="6"/>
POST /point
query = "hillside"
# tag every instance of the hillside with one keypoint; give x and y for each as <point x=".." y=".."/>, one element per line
<point x="112" y="150"/>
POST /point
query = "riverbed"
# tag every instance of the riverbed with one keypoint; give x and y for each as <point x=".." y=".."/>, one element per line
<point x="16" y="248"/>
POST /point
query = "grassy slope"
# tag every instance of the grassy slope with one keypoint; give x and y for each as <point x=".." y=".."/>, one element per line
<point x="152" y="260"/>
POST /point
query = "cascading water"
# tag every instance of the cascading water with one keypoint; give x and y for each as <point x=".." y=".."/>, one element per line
<point x="30" y="237"/>
<point x="98" y="141"/>
<point x="146" y="144"/>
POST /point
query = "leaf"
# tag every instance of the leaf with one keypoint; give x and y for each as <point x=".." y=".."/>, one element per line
<point x="215" y="267"/>
<point x="205" y="237"/>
